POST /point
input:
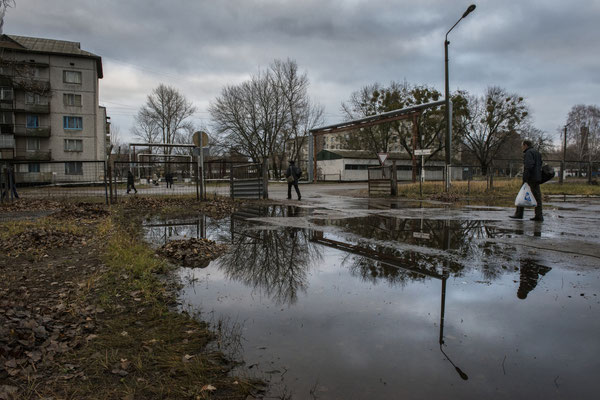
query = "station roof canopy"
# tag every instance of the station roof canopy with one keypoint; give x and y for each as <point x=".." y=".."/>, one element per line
<point x="389" y="116"/>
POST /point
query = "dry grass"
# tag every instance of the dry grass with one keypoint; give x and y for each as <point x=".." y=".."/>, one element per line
<point x="502" y="188"/>
<point x="142" y="348"/>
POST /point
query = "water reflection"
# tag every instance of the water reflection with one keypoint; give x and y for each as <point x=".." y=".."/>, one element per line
<point x="530" y="274"/>
<point x="361" y="309"/>
<point x="440" y="234"/>
<point x="161" y="231"/>
<point x="274" y="261"/>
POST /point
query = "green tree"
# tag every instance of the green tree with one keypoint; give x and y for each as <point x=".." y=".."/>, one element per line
<point x="490" y="121"/>
<point x="376" y="99"/>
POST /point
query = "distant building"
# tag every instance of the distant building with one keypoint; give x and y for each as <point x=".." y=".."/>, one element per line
<point x="353" y="165"/>
<point x="49" y="108"/>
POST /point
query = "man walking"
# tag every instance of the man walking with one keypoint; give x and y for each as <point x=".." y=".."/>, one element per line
<point x="292" y="175"/>
<point x="532" y="174"/>
<point x="130" y="182"/>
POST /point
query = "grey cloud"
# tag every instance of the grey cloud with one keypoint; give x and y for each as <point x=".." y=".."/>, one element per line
<point x="342" y="44"/>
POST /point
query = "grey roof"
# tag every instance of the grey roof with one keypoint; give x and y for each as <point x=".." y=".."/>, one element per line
<point x="41" y="45"/>
<point x="51" y="46"/>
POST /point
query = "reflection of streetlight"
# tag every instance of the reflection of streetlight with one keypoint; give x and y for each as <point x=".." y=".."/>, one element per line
<point x="442" y="312"/>
<point x="447" y="94"/>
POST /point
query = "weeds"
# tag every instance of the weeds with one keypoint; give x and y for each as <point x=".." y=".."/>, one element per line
<point x="501" y="188"/>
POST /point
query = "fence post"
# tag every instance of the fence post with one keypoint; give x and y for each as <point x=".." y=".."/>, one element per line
<point x="394" y="179"/>
<point x="198" y="177"/>
<point x="589" y="173"/>
<point x="231" y="185"/>
<point x="105" y="185"/>
<point x="562" y="172"/>
<point x="116" y="188"/>
<point x="469" y="176"/>
<point x="265" y="177"/>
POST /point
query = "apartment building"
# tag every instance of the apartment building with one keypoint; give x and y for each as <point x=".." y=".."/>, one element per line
<point x="49" y="108"/>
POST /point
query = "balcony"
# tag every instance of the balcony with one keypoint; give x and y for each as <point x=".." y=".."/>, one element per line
<point x="41" y="131"/>
<point x="7" y="141"/>
<point x="31" y="85"/>
<point x="25" y="155"/>
<point x="33" y="108"/>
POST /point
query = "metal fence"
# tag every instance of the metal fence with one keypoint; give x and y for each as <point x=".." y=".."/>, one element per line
<point x="382" y="180"/>
<point x="37" y="179"/>
<point x="249" y="181"/>
<point x="153" y="178"/>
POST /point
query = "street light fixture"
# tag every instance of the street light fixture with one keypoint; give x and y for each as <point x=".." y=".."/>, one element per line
<point x="447" y="98"/>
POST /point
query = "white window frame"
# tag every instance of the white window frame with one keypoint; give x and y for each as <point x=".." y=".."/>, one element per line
<point x="72" y="77"/>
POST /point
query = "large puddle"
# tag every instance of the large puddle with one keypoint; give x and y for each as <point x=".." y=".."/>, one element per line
<point x="382" y="308"/>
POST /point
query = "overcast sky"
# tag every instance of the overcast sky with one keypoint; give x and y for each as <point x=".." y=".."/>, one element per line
<point x="545" y="50"/>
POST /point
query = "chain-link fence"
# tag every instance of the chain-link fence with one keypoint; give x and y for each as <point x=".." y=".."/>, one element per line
<point x="81" y="179"/>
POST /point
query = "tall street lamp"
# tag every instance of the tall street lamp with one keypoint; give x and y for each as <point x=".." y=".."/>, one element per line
<point x="447" y="94"/>
<point x="564" y="158"/>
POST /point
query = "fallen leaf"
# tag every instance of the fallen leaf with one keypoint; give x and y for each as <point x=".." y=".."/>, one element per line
<point x="209" y="388"/>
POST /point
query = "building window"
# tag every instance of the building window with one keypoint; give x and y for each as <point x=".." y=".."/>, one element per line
<point x="71" y="99"/>
<point x="33" y="121"/>
<point x="6" y="93"/>
<point x="6" y="117"/>
<point x="72" y="77"/>
<point x="73" y="123"/>
<point x="32" y="144"/>
<point x="355" y="166"/>
<point x="74" y="168"/>
<point x="34" y="98"/>
<point x="73" y="145"/>
<point x="33" y="167"/>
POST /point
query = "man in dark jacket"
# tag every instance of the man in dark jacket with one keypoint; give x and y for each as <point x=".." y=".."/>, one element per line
<point x="292" y="175"/>
<point x="130" y="182"/>
<point x="532" y="174"/>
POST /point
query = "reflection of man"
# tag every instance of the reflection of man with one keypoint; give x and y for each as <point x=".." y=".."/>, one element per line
<point x="532" y="175"/>
<point x="530" y="275"/>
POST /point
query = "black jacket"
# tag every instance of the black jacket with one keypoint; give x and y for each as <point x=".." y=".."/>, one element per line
<point x="532" y="166"/>
<point x="294" y="172"/>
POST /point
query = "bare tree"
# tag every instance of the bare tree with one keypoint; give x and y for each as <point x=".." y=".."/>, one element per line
<point x="169" y="110"/>
<point x="541" y="139"/>
<point x="257" y="117"/>
<point x="304" y="114"/>
<point x="490" y="121"/>
<point x="116" y="141"/>
<point x="583" y="135"/>
<point x="4" y="4"/>
<point x="146" y="129"/>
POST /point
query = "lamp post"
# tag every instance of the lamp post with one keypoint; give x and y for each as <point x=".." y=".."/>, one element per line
<point x="563" y="165"/>
<point x="447" y="99"/>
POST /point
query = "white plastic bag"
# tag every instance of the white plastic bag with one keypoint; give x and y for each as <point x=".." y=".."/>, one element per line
<point x="525" y="197"/>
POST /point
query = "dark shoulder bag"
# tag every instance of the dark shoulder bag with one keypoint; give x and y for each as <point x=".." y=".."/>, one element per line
<point x="547" y="173"/>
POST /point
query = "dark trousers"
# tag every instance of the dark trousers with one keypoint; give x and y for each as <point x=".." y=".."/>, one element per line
<point x="131" y="186"/>
<point x="537" y="194"/>
<point x="295" y="184"/>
